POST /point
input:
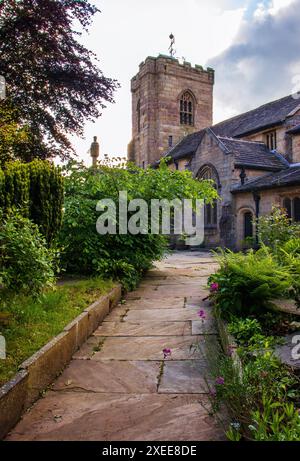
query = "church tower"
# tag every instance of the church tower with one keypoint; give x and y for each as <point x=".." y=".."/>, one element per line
<point x="169" y="101"/>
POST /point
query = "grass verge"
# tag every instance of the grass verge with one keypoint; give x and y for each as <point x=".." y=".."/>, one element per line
<point x="29" y="324"/>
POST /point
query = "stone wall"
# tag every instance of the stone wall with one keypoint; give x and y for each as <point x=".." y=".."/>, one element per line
<point x="244" y="202"/>
<point x="158" y="86"/>
<point x="209" y="153"/>
<point x="296" y="148"/>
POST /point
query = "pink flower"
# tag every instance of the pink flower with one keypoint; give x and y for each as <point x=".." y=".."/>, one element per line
<point x="220" y="381"/>
<point x="201" y="314"/>
<point x="213" y="394"/>
<point x="214" y="287"/>
<point x="166" y="352"/>
<point x="230" y="351"/>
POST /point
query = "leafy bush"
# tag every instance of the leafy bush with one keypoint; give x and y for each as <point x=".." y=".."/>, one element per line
<point x="124" y="256"/>
<point x="244" y="329"/>
<point x="26" y="264"/>
<point x="276" y="228"/>
<point x="36" y="190"/>
<point x="276" y="421"/>
<point x="247" y="283"/>
<point x="261" y="399"/>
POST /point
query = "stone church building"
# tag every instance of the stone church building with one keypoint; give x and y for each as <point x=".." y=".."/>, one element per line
<point x="253" y="158"/>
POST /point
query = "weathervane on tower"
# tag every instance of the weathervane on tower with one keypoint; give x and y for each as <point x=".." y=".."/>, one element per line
<point x="171" y="47"/>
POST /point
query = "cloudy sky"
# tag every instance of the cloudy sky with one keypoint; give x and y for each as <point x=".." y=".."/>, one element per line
<point x="252" y="45"/>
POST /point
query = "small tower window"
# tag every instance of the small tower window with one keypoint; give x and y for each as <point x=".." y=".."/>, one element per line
<point x="170" y="141"/>
<point x="186" y="109"/>
<point x="138" y="113"/>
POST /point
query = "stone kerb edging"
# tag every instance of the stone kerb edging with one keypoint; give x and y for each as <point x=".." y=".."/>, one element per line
<point x="228" y="343"/>
<point x="40" y="370"/>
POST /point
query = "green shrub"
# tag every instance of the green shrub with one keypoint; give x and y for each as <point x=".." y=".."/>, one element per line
<point x="122" y="256"/>
<point x="26" y="264"/>
<point x="36" y="190"/>
<point x="256" y="395"/>
<point x="275" y="229"/>
<point x="244" y="329"/>
<point x="247" y="283"/>
<point x="46" y="197"/>
<point x="276" y="421"/>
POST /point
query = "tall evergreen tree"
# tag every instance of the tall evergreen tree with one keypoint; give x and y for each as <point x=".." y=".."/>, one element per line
<point x="53" y="81"/>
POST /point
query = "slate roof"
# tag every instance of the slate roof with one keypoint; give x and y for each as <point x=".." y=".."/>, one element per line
<point x="263" y="117"/>
<point x="187" y="146"/>
<point x="253" y="154"/>
<point x="284" y="178"/>
<point x="294" y="130"/>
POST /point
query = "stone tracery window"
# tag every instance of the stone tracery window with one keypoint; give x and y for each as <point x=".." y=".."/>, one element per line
<point x="210" y="210"/>
<point x="187" y="109"/>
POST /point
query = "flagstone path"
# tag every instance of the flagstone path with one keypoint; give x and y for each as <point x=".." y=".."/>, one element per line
<point x="118" y="387"/>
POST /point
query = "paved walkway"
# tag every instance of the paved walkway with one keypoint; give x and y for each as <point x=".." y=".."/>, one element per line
<point x="118" y="387"/>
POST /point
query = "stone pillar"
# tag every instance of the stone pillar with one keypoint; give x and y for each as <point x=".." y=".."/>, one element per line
<point x="95" y="151"/>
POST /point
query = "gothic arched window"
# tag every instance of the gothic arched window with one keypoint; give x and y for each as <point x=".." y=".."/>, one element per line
<point x="210" y="210"/>
<point x="187" y="109"/>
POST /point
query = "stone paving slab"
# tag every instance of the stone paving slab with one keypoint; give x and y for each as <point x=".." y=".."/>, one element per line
<point x="109" y="377"/>
<point x="67" y="416"/>
<point x="144" y="328"/>
<point x="157" y="292"/>
<point x="149" y="348"/>
<point x="173" y="273"/>
<point x="89" y="348"/>
<point x="190" y="313"/>
<point x="208" y="327"/>
<point x="174" y="281"/>
<point x="184" y="377"/>
<point x="119" y="386"/>
<point x="168" y="303"/>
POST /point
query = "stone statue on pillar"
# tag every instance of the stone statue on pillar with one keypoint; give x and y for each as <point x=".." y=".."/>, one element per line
<point x="95" y="151"/>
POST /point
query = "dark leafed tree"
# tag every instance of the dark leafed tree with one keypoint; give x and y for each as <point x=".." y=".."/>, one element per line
<point x="53" y="82"/>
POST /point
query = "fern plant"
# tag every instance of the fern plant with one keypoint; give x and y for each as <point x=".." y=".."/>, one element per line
<point x="247" y="283"/>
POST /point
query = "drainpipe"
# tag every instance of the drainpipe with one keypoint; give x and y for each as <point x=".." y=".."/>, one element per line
<point x="256" y="198"/>
<point x="243" y="176"/>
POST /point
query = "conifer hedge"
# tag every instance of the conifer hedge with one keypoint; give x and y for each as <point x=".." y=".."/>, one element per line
<point x="36" y="190"/>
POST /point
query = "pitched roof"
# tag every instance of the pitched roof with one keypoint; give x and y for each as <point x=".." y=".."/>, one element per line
<point x="294" y="130"/>
<point x="187" y="146"/>
<point x="284" y="178"/>
<point x="253" y="154"/>
<point x="263" y="117"/>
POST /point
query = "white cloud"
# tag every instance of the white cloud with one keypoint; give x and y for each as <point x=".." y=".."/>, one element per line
<point x="262" y="64"/>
